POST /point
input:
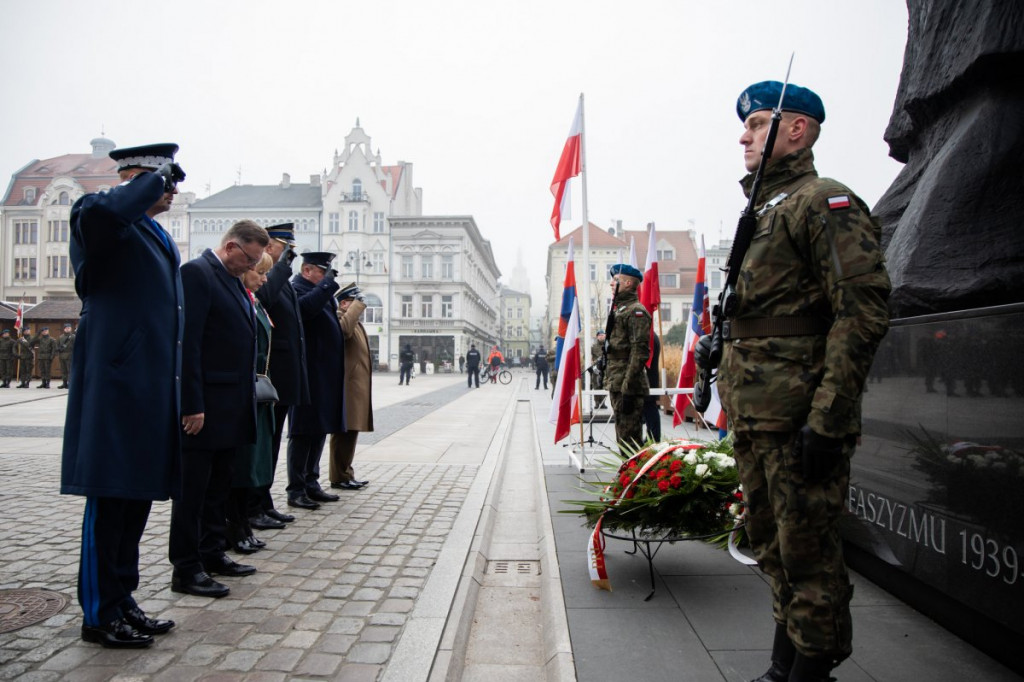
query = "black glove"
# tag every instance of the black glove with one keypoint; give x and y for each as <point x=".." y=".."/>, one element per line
<point x="172" y="175"/>
<point x="289" y="254"/>
<point x="330" y="274"/>
<point x="818" y="455"/>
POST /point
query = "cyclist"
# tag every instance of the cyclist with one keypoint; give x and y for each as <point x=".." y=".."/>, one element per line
<point x="495" y="360"/>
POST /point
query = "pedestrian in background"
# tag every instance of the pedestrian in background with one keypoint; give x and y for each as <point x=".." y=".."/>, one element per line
<point x="540" y="361"/>
<point x="358" y="389"/>
<point x="472" y="366"/>
<point x="405" y="362"/>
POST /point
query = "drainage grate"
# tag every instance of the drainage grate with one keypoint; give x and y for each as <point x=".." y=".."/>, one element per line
<point x="21" y="608"/>
<point x="513" y="568"/>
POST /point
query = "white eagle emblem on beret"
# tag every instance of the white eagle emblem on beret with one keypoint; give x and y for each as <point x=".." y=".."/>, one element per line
<point x="745" y="102"/>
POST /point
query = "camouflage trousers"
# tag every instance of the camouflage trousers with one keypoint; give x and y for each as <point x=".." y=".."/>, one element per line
<point x="6" y="370"/>
<point x="793" y="528"/>
<point x="629" y="418"/>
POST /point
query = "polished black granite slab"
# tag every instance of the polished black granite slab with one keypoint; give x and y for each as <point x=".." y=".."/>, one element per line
<point x="937" y="484"/>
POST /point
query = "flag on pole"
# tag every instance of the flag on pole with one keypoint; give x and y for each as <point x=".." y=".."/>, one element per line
<point x="700" y="324"/>
<point x="19" y="318"/>
<point x="568" y="298"/>
<point x="565" y="409"/>
<point x="632" y="252"/>
<point x="650" y="289"/>
<point x="569" y="166"/>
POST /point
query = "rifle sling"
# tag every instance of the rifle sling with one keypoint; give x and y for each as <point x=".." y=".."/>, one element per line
<point x="756" y="327"/>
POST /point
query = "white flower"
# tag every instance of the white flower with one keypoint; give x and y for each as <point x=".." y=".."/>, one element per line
<point x="702" y="470"/>
<point x="690" y="457"/>
<point x="734" y="509"/>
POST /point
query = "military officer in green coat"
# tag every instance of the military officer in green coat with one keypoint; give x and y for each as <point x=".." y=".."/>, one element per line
<point x="65" y="346"/>
<point x="628" y="348"/>
<point x="46" y="347"/>
<point x="810" y="312"/>
<point x="6" y="358"/>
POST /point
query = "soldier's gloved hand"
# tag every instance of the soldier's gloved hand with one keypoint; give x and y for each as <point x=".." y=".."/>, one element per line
<point x="330" y="274"/>
<point x="818" y="455"/>
<point x="172" y="175"/>
<point x="289" y="254"/>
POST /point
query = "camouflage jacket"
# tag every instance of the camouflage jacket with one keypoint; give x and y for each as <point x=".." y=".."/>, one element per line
<point x="628" y="347"/>
<point x="66" y="345"/>
<point x="815" y="254"/>
<point x="47" y="346"/>
<point x="6" y="348"/>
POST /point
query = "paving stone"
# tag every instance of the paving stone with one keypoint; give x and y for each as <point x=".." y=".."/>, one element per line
<point x="319" y="664"/>
<point x="369" y="653"/>
<point x="379" y="633"/>
<point x="240" y="660"/>
<point x="280" y="659"/>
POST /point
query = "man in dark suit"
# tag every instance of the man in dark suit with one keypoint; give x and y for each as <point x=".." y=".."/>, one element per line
<point x="121" y="437"/>
<point x="287" y="359"/>
<point x="218" y="404"/>
<point x="308" y="425"/>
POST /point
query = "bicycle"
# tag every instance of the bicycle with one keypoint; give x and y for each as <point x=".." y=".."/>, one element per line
<point x="502" y="375"/>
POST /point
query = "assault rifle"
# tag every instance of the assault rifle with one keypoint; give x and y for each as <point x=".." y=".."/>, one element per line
<point x="708" y="353"/>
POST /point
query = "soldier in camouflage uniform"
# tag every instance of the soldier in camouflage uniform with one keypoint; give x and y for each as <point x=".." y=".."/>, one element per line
<point x="811" y="312"/>
<point x="628" y="348"/>
<point x="65" y="347"/>
<point x="47" y="346"/>
<point x="6" y="358"/>
<point x="23" y="356"/>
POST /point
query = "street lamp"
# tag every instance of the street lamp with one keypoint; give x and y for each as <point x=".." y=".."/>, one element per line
<point x="360" y="259"/>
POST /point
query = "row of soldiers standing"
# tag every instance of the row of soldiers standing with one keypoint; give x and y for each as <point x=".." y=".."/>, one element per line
<point x="18" y="354"/>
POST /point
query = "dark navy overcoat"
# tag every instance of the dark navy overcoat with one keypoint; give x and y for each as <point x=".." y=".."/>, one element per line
<point x="218" y="356"/>
<point x="325" y="357"/>
<point x="288" y="343"/>
<point x="121" y="432"/>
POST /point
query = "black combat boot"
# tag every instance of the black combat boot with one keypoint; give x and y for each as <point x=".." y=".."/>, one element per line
<point x="783" y="653"/>
<point x="807" y="669"/>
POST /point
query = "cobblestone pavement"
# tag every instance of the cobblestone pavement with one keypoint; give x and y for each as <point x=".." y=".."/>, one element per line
<point x="332" y="592"/>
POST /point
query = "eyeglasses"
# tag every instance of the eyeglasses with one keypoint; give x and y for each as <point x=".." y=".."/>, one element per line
<point x="252" y="261"/>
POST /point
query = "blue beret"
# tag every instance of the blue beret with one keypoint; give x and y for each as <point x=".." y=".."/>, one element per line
<point x="765" y="95"/>
<point x="285" y="232"/>
<point x="319" y="258"/>
<point x="626" y="269"/>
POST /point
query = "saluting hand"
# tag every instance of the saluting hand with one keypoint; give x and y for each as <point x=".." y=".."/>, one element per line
<point x="193" y="423"/>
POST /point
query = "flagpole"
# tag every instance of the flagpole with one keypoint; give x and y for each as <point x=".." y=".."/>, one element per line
<point x="586" y="250"/>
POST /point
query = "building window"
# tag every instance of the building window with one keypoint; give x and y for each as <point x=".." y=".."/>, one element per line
<point x="176" y="229"/>
<point x="57" y="267"/>
<point x="666" y="254"/>
<point x="447" y="267"/>
<point x="58" y="231"/>
<point x="334" y="222"/>
<point x="716" y="279"/>
<point x="427" y="267"/>
<point x="30" y="195"/>
<point x="407" y="306"/>
<point x="668" y="281"/>
<point x="353" y="221"/>
<point x="64" y="199"/>
<point x="377" y="258"/>
<point x="374" y="313"/>
<point x="26" y="232"/>
<point x="427" y="306"/>
<point x="357" y="189"/>
<point x="665" y="309"/>
<point x="378" y="222"/>
<point x="593" y="272"/>
<point x="407" y="272"/>
<point x="448" y="306"/>
<point x="24" y="268"/>
<point x="519" y="313"/>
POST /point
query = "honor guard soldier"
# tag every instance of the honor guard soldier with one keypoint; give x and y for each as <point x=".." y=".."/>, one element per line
<point x="6" y="358"/>
<point x="800" y="331"/>
<point x="121" y="433"/>
<point x="65" y="346"/>
<point x="628" y="349"/>
<point x="47" y="351"/>
<point x="23" y="356"/>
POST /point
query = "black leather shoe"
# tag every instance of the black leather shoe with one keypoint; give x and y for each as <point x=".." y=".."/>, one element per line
<point x="264" y="522"/>
<point x="320" y="496"/>
<point x="230" y="568"/>
<point x="243" y="546"/>
<point x="359" y="483"/>
<point x="280" y="516"/>
<point x="348" y="485"/>
<point x="302" y="502"/>
<point x="256" y="542"/>
<point x="117" y="634"/>
<point x="145" y="625"/>
<point x="200" y="585"/>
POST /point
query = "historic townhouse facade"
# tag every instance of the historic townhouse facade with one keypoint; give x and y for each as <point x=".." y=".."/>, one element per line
<point x="34" y="221"/>
<point x="515" y="334"/>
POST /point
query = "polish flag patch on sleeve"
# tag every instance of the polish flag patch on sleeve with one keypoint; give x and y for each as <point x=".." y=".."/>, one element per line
<point x="841" y="201"/>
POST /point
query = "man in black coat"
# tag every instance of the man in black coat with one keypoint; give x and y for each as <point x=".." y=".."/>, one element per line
<point x="308" y="425"/>
<point x="540" y="362"/>
<point x="287" y="359"/>
<point x="472" y="366"/>
<point x="121" y="433"/>
<point x="218" y="404"/>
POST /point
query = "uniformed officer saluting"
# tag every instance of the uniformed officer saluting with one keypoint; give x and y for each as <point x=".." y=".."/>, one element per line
<point x="810" y="311"/>
<point x="628" y="348"/>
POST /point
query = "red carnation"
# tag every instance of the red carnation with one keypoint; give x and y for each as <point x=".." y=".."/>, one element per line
<point x="676" y="480"/>
<point x="662" y="485"/>
<point x="629" y="493"/>
<point x="675" y="466"/>
<point x="662" y="473"/>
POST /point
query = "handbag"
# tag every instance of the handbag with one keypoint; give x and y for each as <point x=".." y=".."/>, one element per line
<point x="265" y="391"/>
